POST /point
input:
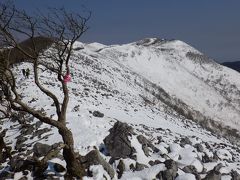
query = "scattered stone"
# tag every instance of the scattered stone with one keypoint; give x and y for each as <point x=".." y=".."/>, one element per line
<point x="185" y="141"/>
<point x="159" y="176"/>
<point x="6" y="175"/>
<point x="23" y="178"/>
<point x="192" y="170"/>
<point x="199" y="147"/>
<point x="16" y="163"/>
<point x="120" y="168"/>
<point x="19" y="144"/>
<point x="39" y="132"/>
<point x="94" y="158"/>
<point x="76" y="108"/>
<point x="215" y="173"/>
<point x="38" y="124"/>
<point x="152" y="163"/>
<point x="117" y="142"/>
<point x="25" y="172"/>
<point x="40" y="149"/>
<point x="27" y="129"/>
<point x="58" y="167"/>
<point x="98" y="114"/>
<point x="224" y="154"/>
<point x="145" y="144"/>
<point x="140" y="167"/>
<point x="235" y="175"/>
<point x="171" y="171"/>
<point x="131" y="166"/>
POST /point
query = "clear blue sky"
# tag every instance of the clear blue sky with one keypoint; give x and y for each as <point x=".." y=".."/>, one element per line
<point x="211" y="26"/>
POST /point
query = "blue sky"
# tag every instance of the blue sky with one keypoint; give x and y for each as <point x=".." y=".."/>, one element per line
<point x="211" y="26"/>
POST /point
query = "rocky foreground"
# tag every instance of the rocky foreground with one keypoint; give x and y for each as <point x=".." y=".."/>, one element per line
<point x="127" y="152"/>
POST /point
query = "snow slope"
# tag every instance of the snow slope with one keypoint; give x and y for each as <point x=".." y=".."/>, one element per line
<point x="119" y="81"/>
<point x="200" y="83"/>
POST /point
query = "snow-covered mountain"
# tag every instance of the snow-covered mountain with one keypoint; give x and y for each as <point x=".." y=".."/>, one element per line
<point x="181" y="77"/>
<point x="163" y="89"/>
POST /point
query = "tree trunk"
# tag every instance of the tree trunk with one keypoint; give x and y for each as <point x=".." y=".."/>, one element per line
<point x="74" y="167"/>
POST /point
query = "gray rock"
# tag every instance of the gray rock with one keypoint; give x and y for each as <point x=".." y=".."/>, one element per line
<point x="192" y="170"/>
<point x="120" y="168"/>
<point x="152" y="163"/>
<point x="98" y="114"/>
<point x="27" y="129"/>
<point x="145" y="144"/>
<point x="235" y="175"/>
<point x="169" y="174"/>
<point x="20" y="142"/>
<point x="117" y="143"/>
<point x="40" y="149"/>
<point x="159" y="176"/>
<point x="185" y="141"/>
<point x="94" y="158"/>
<point x="38" y="124"/>
<point x="215" y="173"/>
<point x="58" y="167"/>
<point x="171" y="171"/>
<point x="199" y="147"/>
<point x="6" y="175"/>
<point x="23" y="178"/>
<point x="170" y="164"/>
<point x="140" y="167"/>
<point x="40" y="132"/>
<point x="16" y="163"/>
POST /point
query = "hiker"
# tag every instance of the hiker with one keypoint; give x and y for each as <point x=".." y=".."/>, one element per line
<point x="24" y="72"/>
<point x="27" y="73"/>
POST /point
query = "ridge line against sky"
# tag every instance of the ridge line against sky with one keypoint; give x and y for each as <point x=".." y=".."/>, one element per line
<point x="211" y="26"/>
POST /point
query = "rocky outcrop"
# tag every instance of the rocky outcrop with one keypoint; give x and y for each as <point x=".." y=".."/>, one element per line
<point x="94" y="158"/>
<point x="146" y="144"/>
<point x="117" y="142"/>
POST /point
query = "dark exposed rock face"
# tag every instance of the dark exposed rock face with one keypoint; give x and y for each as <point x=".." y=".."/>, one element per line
<point x="146" y="144"/>
<point x="140" y="167"/>
<point x="98" y="114"/>
<point x="58" y="167"/>
<point x="192" y="170"/>
<point x="199" y="147"/>
<point x="16" y="163"/>
<point x="120" y="168"/>
<point x="235" y="175"/>
<point x="6" y="175"/>
<point x="94" y="158"/>
<point x="185" y="141"/>
<point x="118" y="143"/>
<point x="214" y="174"/>
<point x="171" y="171"/>
<point x="40" y="149"/>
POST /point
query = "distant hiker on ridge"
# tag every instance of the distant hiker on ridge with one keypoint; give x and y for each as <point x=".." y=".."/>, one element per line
<point x="24" y="72"/>
<point x="27" y="73"/>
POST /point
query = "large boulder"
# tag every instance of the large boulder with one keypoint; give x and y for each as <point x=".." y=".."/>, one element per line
<point x="94" y="158"/>
<point x="120" y="168"/>
<point x="214" y="174"/>
<point x="146" y="144"/>
<point x="40" y="149"/>
<point x="117" y="142"/>
<point x="98" y="114"/>
<point x="170" y="173"/>
<point x="192" y="170"/>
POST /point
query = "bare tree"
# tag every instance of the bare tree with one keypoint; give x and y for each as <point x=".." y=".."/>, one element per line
<point x="63" y="29"/>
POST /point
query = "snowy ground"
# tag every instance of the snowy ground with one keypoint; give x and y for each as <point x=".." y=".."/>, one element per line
<point x="104" y="79"/>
